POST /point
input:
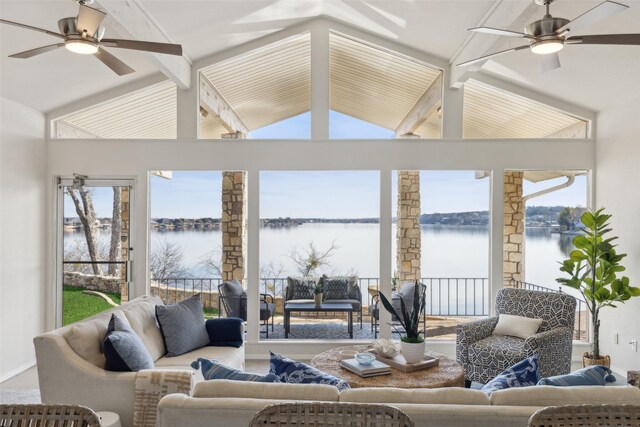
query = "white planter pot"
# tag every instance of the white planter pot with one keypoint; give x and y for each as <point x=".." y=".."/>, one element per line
<point x="317" y="298"/>
<point x="413" y="353"/>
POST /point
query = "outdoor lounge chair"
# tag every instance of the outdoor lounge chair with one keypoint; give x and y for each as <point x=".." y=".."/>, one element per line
<point x="233" y="298"/>
<point x="406" y="292"/>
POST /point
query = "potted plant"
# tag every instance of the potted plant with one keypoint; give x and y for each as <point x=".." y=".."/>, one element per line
<point x="412" y="343"/>
<point x="593" y="267"/>
<point x="317" y="295"/>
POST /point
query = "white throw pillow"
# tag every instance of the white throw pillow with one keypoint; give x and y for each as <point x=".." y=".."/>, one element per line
<point x="517" y="326"/>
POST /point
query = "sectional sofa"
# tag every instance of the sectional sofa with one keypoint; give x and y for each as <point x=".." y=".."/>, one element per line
<point x="71" y="364"/>
<point x="234" y="403"/>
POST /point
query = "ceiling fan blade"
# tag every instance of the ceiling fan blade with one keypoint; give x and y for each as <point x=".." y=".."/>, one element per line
<point x="119" y="67"/>
<point x="37" y="51"/>
<point x="499" y="32"/>
<point x="491" y="55"/>
<point x="168" y="48"/>
<point x="621" y="39"/>
<point x="590" y="17"/>
<point x="29" y="27"/>
<point x="89" y="20"/>
<point x="549" y="62"/>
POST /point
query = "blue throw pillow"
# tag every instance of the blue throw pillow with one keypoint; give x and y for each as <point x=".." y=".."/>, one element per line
<point x="225" y="332"/>
<point x="522" y="374"/>
<point x="214" y="370"/>
<point x="591" y="375"/>
<point x="291" y="371"/>
<point x="182" y="326"/>
<point x="123" y="348"/>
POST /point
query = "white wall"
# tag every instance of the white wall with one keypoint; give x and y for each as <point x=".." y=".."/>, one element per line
<point x="617" y="181"/>
<point x="22" y="235"/>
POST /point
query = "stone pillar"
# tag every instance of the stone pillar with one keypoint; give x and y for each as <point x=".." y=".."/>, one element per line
<point x="234" y="213"/>
<point x="514" y="217"/>
<point x="124" y="242"/>
<point x="408" y="234"/>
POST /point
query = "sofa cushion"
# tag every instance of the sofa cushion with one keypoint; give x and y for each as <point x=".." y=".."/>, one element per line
<point x="523" y="374"/>
<point x="182" y="326"/>
<point x="300" y="288"/>
<point x="335" y="288"/>
<point x="85" y="338"/>
<point x="591" y="375"/>
<point x="292" y="371"/>
<point x="275" y="391"/>
<point x="225" y="332"/>
<point x="142" y="318"/>
<point x="123" y="349"/>
<point x="517" y="326"/>
<point x="449" y="395"/>
<point x="499" y="351"/>
<point x="214" y="370"/>
<point x="230" y="356"/>
<point x="545" y="395"/>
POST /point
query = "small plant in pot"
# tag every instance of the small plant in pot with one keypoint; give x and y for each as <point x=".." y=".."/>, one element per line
<point x="412" y="342"/>
<point x="593" y="267"/>
<point x="317" y="294"/>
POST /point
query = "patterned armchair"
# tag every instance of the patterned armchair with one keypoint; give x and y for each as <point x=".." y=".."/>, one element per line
<point x="484" y="355"/>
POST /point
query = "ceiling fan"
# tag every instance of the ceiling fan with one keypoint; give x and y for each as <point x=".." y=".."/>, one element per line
<point x="550" y="34"/>
<point x="84" y="34"/>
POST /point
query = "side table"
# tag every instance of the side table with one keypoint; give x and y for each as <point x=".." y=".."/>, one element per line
<point x="109" y="419"/>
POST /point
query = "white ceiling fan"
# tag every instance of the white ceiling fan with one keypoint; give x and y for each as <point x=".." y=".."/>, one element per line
<point x="84" y="34"/>
<point x="550" y="34"/>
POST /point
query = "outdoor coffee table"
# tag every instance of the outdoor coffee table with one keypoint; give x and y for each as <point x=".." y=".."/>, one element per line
<point x="448" y="373"/>
<point x="309" y="307"/>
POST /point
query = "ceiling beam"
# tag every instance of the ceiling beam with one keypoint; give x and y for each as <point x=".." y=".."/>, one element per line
<point x="214" y="103"/>
<point x="506" y="14"/>
<point x="131" y="20"/>
<point x="427" y="105"/>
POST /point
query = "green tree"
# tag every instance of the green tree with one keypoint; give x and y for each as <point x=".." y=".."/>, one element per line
<point x="568" y="217"/>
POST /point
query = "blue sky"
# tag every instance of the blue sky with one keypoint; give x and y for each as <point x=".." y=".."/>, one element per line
<point x="328" y="194"/>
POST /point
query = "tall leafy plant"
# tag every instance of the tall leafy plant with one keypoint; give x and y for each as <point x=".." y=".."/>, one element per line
<point x="410" y="320"/>
<point x="593" y="267"/>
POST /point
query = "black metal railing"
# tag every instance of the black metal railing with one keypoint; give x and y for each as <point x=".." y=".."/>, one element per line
<point x="175" y="289"/>
<point x="581" y="328"/>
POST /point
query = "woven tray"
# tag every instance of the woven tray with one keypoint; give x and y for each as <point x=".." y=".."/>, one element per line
<point x="398" y="362"/>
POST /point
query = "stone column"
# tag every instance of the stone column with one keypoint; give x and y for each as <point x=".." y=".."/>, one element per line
<point x="514" y="225"/>
<point x="124" y="241"/>
<point x="408" y="234"/>
<point x="234" y="213"/>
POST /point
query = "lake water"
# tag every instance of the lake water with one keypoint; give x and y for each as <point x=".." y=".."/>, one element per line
<point x="446" y="251"/>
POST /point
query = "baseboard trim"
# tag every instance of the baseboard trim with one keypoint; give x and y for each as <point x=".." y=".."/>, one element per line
<point x="17" y="371"/>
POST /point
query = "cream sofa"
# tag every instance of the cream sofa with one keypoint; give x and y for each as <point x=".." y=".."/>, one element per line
<point x="234" y="403"/>
<point x="71" y="363"/>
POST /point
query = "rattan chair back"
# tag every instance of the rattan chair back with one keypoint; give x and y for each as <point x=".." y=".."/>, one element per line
<point x="47" y="415"/>
<point x="587" y="416"/>
<point x="331" y="414"/>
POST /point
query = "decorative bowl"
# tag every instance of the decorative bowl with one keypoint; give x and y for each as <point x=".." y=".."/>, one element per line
<point x="348" y="354"/>
<point x="365" y="358"/>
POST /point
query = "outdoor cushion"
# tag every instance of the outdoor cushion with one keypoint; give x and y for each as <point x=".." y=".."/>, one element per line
<point x="225" y="332"/>
<point x="299" y="301"/>
<point x="500" y="351"/>
<point x="291" y="371"/>
<point x="406" y="293"/>
<point x="522" y="374"/>
<point x="214" y="370"/>
<point x="335" y="288"/>
<point x="182" y="326"/>
<point x="300" y="288"/>
<point x="591" y="375"/>
<point x="123" y="349"/>
<point x="267" y="310"/>
<point x="517" y="326"/>
<point x="235" y="298"/>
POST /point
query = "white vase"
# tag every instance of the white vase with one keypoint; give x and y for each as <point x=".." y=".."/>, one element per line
<point x="413" y="352"/>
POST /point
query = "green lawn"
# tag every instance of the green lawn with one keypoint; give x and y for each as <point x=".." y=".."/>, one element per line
<point x="77" y="306"/>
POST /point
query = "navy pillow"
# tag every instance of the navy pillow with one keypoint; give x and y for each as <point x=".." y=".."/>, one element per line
<point x="291" y="371"/>
<point x="225" y="332"/>
<point x="591" y="375"/>
<point x="522" y="374"/>
<point x="123" y="349"/>
<point x="214" y="370"/>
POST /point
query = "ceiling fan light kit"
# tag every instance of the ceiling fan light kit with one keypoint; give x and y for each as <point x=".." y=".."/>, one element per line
<point x="81" y="46"/>
<point x="549" y="35"/>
